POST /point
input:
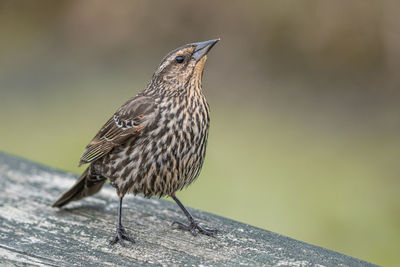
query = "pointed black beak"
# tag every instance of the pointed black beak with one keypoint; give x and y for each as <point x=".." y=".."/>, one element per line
<point x="202" y="48"/>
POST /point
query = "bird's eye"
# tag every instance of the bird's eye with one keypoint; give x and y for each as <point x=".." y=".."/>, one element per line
<point x="180" y="59"/>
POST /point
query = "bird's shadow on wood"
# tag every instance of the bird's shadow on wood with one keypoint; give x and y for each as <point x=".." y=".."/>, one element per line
<point x="87" y="208"/>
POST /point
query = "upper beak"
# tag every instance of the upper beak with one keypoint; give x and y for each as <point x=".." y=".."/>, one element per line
<point x="202" y="48"/>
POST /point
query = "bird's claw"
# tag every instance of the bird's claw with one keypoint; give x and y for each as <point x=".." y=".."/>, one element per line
<point x="120" y="236"/>
<point x="195" y="228"/>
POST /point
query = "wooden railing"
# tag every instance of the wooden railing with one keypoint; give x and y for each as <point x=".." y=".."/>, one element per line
<point x="31" y="232"/>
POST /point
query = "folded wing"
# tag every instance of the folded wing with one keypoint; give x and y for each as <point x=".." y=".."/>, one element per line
<point x="129" y="120"/>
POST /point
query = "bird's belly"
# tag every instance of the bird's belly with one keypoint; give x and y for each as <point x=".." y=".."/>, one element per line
<point x="158" y="167"/>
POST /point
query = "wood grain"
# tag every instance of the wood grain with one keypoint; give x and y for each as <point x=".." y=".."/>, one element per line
<point x="33" y="233"/>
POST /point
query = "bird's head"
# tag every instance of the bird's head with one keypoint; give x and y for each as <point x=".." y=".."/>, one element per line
<point x="184" y="65"/>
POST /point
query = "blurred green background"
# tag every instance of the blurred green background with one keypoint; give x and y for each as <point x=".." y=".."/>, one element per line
<point x="304" y="97"/>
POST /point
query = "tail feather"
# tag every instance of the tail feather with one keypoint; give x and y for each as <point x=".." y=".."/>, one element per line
<point x="85" y="186"/>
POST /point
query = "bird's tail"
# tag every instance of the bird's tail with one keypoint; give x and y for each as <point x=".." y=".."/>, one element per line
<point x="86" y="185"/>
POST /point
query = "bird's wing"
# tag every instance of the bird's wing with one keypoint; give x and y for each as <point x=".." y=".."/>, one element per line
<point x="127" y="122"/>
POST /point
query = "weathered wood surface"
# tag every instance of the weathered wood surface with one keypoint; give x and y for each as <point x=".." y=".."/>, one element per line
<point x="33" y="233"/>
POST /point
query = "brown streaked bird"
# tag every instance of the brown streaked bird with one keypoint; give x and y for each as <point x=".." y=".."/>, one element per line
<point x="155" y="143"/>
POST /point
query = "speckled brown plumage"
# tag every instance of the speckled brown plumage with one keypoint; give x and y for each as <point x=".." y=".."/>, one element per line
<point x="155" y="143"/>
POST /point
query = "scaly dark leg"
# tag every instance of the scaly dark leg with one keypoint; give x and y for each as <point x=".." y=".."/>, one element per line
<point x="193" y="226"/>
<point x="121" y="234"/>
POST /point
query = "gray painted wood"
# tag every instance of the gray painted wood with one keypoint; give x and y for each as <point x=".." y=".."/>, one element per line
<point x="33" y="233"/>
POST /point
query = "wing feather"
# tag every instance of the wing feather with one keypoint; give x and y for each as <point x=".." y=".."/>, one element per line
<point x="125" y="124"/>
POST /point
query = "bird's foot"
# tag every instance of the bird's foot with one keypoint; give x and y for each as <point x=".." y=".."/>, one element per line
<point x="195" y="228"/>
<point x="120" y="236"/>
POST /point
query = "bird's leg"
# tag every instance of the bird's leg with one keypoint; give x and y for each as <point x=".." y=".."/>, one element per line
<point x="120" y="231"/>
<point x="193" y="226"/>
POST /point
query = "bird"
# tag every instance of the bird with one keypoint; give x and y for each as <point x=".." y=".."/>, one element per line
<point x="155" y="143"/>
